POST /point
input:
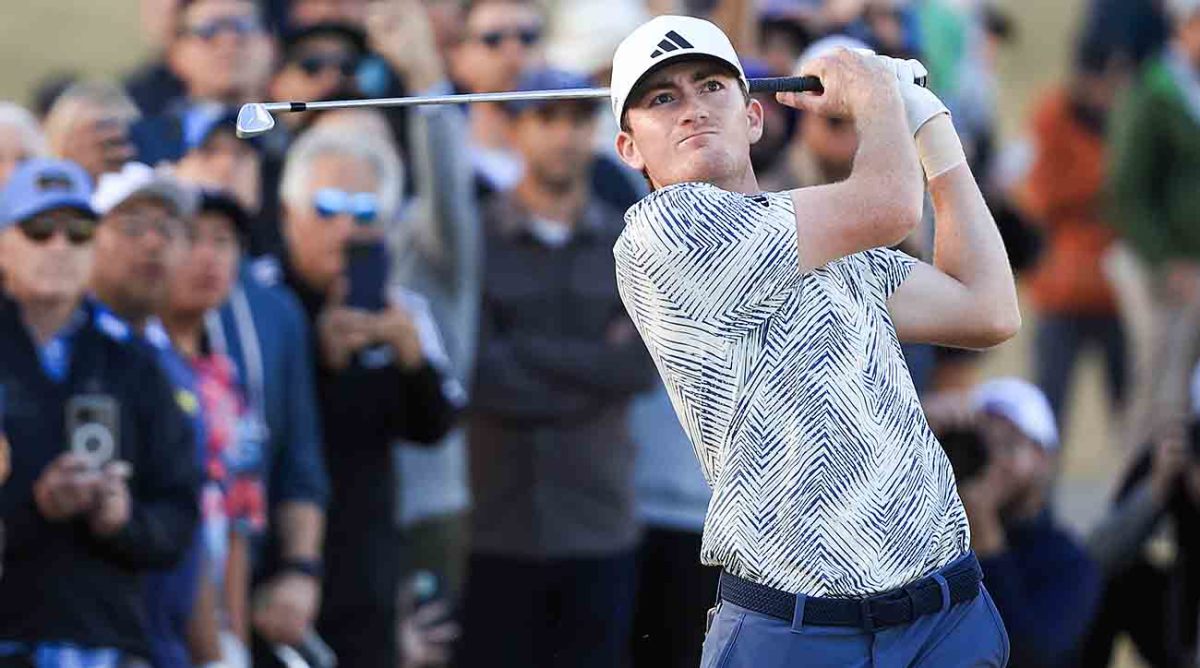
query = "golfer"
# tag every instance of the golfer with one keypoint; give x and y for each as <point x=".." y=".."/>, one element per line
<point x="775" y="320"/>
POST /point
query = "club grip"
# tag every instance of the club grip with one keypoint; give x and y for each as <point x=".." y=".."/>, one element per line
<point x="787" y="85"/>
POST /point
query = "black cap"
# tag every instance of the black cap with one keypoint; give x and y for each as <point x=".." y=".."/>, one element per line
<point x="223" y="203"/>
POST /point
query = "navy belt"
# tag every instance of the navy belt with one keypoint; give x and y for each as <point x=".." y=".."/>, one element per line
<point x="893" y="608"/>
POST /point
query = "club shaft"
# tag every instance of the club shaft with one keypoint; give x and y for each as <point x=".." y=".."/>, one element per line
<point x="769" y="85"/>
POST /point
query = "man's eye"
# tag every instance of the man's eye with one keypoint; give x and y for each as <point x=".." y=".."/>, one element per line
<point x="661" y="98"/>
<point x="712" y="85"/>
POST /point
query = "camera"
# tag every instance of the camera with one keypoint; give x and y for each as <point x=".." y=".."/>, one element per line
<point x="966" y="450"/>
<point x="92" y="428"/>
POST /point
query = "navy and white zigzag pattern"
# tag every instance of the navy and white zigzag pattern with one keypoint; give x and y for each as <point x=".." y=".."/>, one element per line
<point x="792" y="387"/>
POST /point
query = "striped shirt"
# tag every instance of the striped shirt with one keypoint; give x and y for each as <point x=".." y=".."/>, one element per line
<point x="791" y="386"/>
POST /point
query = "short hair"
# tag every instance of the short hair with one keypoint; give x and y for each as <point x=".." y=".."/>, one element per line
<point x="318" y="143"/>
<point x="15" y="116"/>
<point x="105" y="95"/>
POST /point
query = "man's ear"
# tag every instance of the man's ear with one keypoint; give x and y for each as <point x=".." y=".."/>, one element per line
<point x="627" y="149"/>
<point x="754" y="116"/>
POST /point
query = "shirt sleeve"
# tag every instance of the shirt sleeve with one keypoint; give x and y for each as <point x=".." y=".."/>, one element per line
<point x="889" y="268"/>
<point x="706" y="254"/>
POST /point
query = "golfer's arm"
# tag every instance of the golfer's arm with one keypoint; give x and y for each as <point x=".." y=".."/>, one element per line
<point x="967" y="298"/>
<point x="879" y="205"/>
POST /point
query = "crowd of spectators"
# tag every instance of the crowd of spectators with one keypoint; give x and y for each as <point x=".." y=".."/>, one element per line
<point x="362" y="388"/>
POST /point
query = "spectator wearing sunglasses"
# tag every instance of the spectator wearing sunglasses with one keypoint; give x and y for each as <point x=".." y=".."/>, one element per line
<point x="376" y="382"/>
<point x="99" y="494"/>
<point x="222" y="56"/>
<point x="500" y="40"/>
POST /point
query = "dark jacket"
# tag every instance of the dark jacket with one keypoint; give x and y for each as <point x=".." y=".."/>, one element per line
<point x="551" y="454"/>
<point x="365" y="408"/>
<point x="60" y="581"/>
<point x="1046" y="588"/>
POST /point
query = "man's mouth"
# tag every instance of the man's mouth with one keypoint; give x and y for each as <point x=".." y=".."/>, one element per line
<point x="703" y="133"/>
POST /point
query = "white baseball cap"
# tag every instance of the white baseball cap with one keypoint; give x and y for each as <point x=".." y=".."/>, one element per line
<point x="137" y="179"/>
<point x="661" y="40"/>
<point x="1023" y="404"/>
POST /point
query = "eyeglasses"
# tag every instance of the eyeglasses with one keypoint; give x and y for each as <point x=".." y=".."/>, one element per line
<point x="236" y="25"/>
<point x="79" y="230"/>
<point x="136" y="227"/>
<point x="317" y="63"/>
<point x="331" y="202"/>
<point x="527" y="36"/>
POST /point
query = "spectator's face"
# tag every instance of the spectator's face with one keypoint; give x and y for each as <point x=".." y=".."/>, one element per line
<point x="555" y="141"/>
<point x="13" y="150"/>
<point x="93" y="136"/>
<point x="41" y="269"/>
<point x="227" y="163"/>
<point x="1025" y="466"/>
<point x="690" y="122"/>
<point x="218" y="43"/>
<point x="832" y="141"/>
<point x="316" y="70"/>
<point x="206" y="273"/>
<point x="303" y="13"/>
<point x="501" y="40"/>
<point x="139" y="245"/>
<point x="317" y="239"/>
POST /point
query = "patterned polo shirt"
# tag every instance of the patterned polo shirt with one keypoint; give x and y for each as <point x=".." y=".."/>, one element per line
<point x="792" y="387"/>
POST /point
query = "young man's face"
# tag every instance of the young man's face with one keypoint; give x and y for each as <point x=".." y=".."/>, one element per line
<point x="206" y="273"/>
<point x="139" y="245"/>
<point x="690" y="122"/>
<point x="555" y="141"/>
<point x="213" y="54"/>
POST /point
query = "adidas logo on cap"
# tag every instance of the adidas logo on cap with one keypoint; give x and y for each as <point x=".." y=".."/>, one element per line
<point x="672" y="41"/>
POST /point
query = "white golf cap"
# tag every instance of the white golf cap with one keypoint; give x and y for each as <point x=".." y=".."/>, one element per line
<point x="661" y="40"/>
<point x="137" y="179"/>
<point x="1023" y="404"/>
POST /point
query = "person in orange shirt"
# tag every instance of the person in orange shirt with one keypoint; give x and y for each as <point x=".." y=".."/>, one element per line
<point x="1064" y="194"/>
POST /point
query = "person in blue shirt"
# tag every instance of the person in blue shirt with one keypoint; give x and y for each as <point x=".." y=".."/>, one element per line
<point x="98" y="496"/>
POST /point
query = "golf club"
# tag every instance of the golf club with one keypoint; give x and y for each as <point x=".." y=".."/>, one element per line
<point x="255" y="118"/>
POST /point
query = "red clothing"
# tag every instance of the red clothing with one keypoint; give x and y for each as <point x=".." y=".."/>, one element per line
<point x="1064" y="194"/>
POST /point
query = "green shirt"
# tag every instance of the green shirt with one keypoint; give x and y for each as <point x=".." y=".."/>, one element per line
<point x="1155" y="167"/>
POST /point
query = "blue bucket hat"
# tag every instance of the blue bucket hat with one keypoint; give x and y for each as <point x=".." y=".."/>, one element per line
<point x="42" y="184"/>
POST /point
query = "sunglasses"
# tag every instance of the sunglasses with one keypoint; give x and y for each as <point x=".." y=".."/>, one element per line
<point x="527" y="36"/>
<point x="317" y="63"/>
<point x="40" y="229"/>
<point x="236" y="25"/>
<point x="331" y="203"/>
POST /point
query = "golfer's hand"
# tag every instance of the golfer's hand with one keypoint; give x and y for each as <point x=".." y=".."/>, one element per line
<point x="857" y="84"/>
<point x="286" y="607"/>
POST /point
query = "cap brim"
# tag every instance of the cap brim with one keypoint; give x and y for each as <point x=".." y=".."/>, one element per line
<point x="673" y="59"/>
<point x="51" y="203"/>
<point x="179" y="198"/>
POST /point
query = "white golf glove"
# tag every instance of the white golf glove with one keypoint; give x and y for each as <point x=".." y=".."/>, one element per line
<point x="920" y="104"/>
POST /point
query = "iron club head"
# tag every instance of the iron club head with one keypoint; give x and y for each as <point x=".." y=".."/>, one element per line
<point x="253" y="120"/>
